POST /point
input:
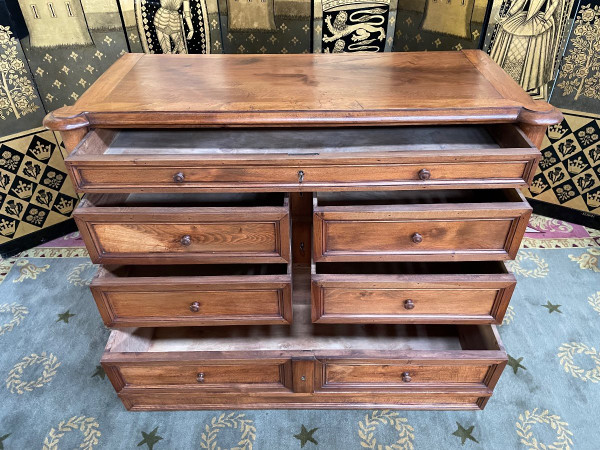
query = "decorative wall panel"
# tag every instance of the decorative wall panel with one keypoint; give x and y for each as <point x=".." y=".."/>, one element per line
<point x="35" y="191"/>
<point x="577" y="86"/>
<point x="64" y="65"/>
<point x="439" y="24"/>
<point x="20" y="104"/>
<point x="173" y="26"/>
<point x="272" y="26"/>
<point x="347" y="26"/>
<point x="526" y="38"/>
<point x="569" y="172"/>
<point x="54" y="50"/>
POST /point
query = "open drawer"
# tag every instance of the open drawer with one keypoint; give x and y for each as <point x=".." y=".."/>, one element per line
<point x="302" y="159"/>
<point x="347" y="366"/>
<point x="217" y="294"/>
<point x="185" y="228"/>
<point x="461" y="225"/>
<point x="411" y="292"/>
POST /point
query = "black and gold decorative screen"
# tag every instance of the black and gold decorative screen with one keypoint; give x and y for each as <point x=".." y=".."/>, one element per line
<point x="52" y="51"/>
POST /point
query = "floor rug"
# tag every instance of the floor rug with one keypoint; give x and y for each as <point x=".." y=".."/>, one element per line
<point x="55" y="395"/>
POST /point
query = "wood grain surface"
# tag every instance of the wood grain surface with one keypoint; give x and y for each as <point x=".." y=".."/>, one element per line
<point x="165" y="298"/>
<point x="495" y="156"/>
<point x="447" y="230"/>
<point x="183" y="235"/>
<point x="303" y="90"/>
<point x="305" y="365"/>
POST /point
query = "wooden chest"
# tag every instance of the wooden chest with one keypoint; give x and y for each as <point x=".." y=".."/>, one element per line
<point x="313" y="231"/>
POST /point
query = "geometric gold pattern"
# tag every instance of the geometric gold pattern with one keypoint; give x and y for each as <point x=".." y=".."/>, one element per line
<point x="569" y="172"/>
<point x="35" y="191"/>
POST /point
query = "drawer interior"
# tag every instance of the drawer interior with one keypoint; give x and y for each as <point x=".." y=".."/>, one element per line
<point x="198" y="270"/>
<point x="301" y="336"/>
<point x="303" y="141"/>
<point x="427" y="197"/>
<point x="412" y="268"/>
<point x="182" y="200"/>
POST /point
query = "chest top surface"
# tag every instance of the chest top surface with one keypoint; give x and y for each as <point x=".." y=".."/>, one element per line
<point x="152" y="91"/>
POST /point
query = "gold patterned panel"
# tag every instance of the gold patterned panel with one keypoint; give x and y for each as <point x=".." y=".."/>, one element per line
<point x="526" y="39"/>
<point x="351" y="26"/>
<point x="569" y="172"/>
<point x="173" y="26"/>
<point x="423" y="25"/>
<point x="243" y="15"/>
<point x="53" y="24"/>
<point x="578" y="82"/>
<point x="451" y="17"/>
<point x="35" y="191"/>
<point x="17" y="92"/>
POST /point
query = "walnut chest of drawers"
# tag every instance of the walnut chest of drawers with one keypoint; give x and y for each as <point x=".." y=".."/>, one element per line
<point x="303" y="231"/>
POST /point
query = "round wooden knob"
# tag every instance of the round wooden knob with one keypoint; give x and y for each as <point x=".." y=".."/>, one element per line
<point x="408" y="304"/>
<point x="186" y="240"/>
<point x="424" y="174"/>
<point x="200" y="377"/>
<point x="195" y="307"/>
<point x="417" y="238"/>
<point x="179" y="177"/>
<point x="406" y="377"/>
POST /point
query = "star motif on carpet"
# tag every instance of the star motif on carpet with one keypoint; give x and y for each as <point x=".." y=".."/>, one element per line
<point x="150" y="439"/>
<point x="464" y="433"/>
<point x="306" y="435"/>
<point x="515" y="363"/>
<point x="64" y="316"/>
<point x="99" y="372"/>
<point x="552" y="308"/>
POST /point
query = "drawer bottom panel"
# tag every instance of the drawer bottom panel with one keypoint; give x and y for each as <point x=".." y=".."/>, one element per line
<point x="149" y="400"/>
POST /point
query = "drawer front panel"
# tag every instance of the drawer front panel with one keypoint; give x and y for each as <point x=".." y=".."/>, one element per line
<point x="264" y="177"/>
<point x="392" y="237"/>
<point x="369" y="299"/>
<point x="205" y="237"/>
<point x="169" y="305"/>
<point x="409" y="374"/>
<point x="259" y="375"/>
<point x="367" y="236"/>
<point x="132" y="238"/>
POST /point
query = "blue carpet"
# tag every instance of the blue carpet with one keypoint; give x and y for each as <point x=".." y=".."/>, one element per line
<point x="53" y="393"/>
